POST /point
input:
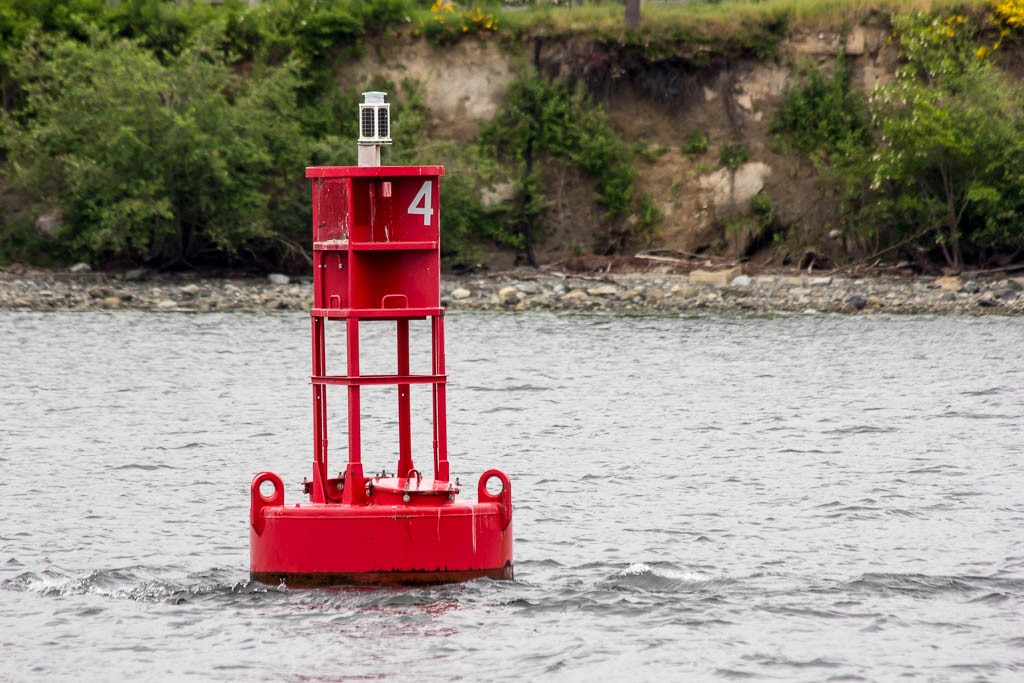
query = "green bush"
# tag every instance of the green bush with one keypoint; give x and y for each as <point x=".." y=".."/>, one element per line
<point x="696" y="142"/>
<point x="156" y="162"/>
<point x="823" y="114"/>
<point x="541" y="116"/>
<point x="949" y="166"/>
<point x="733" y="155"/>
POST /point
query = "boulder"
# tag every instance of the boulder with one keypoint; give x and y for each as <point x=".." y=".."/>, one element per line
<point x="460" y="293"/>
<point x="508" y="294"/>
<point x="718" y="278"/>
<point x="949" y="284"/>
<point x="603" y="290"/>
<point x="278" y="279"/>
<point x="574" y="295"/>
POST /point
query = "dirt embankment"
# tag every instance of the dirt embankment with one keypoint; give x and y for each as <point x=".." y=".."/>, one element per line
<point x="658" y="103"/>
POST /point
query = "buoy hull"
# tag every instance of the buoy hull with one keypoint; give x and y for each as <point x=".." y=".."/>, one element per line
<point x="336" y="544"/>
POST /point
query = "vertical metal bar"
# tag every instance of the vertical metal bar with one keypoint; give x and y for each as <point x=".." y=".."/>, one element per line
<point x="440" y="400"/>
<point x="352" y="353"/>
<point x="404" y="417"/>
<point x="319" y="414"/>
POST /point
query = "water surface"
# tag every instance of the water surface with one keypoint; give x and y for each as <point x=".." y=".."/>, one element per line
<point x="801" y="498"/>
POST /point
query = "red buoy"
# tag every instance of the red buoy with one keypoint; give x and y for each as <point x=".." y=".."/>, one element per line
<point x="376" y="259"/>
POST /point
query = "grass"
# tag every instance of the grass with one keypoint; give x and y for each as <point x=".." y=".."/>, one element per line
<point x="694" y="19"/>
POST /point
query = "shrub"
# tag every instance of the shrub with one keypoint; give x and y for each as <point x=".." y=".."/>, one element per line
<point x="952" y="143"/>
<point x="541" y="116"/>
<point x="696" y="142"/>
<point x="733" y="155"/>
<point x="823" y="114"/>
<point x="156" y="162"/>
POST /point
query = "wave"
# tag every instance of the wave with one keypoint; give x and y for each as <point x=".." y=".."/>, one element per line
<point x="132" y="583"/>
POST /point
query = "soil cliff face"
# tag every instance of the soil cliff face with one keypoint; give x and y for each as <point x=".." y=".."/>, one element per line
<point x="659" y="102"/>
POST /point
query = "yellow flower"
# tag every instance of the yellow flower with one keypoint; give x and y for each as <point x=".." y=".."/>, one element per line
<point x="982" y="51"/>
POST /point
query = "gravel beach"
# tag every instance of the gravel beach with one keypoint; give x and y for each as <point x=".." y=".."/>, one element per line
<point x="723" y="290"/>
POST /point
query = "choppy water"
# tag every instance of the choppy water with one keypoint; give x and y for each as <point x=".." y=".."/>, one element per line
<point x="798" y="498"/>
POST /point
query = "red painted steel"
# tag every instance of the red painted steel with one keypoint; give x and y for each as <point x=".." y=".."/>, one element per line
<point x="376" y="258"/>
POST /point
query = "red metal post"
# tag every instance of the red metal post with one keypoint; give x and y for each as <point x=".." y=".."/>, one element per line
<point x="354" y="491"/>
<point x="440" y="401"/>
<point x="405" y="463"/>
<point x="319" y="414"/>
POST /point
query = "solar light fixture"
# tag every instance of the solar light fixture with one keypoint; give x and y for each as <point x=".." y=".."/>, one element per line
<point x="374" y="127"/>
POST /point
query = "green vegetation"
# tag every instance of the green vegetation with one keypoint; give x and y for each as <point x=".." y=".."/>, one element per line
<point x="939" y="166"/>
<point x="823" y="115"/>
<point x="733" y="155"/>
<point x="696" y="142"/>
<point x="953" y="142"/>
<point x="174" y="133"/>
<point x="550" y="118"/>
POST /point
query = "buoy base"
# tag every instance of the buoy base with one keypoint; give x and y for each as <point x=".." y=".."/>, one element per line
<point x="380" y="579"/>
<point x="409" y="532"/>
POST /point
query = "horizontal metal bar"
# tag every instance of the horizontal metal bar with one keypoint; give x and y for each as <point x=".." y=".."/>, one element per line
<point x="344" y="245"/>
<point x="380" y="313"/>
<point x="358" y="380"/>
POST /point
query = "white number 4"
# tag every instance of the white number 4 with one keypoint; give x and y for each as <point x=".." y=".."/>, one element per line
<point x="421" y="204"/>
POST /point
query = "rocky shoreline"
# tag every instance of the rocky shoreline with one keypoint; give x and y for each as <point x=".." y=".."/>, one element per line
<point x="700" y="291"/>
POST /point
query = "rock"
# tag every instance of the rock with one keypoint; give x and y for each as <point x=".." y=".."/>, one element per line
<point x="793" y="281"/>
<point x="742" y="281"/>
<point x="949" y="283"/>
<point x="574" y="295"/>
<point x="112" y="302"/>
<point x="497" y="194"/>
<point x="1012" y="284"/>
<point x="820" y="281"/>
<point x="736" y="189"/>
<point x="98" y="292"/>
<point x="603" y="290"/>
<point x="508" y="294"/>
<point x="654" y="294"/>
<point x="49" y="223"/>
<point x="874" y="302"/>
<point x="136" y="275"/>
<point x="528" y="287"/>
<point x="718" y="278"/>
<point x="1005" y="293"/>
<point x="278" y="279"/>
<point x="685" y="292"/>
<point x="629" y="294"/>
<point x="460" y="293"/>
<point x="972" y="287"/>
<point x="190" y="290"/>
<point x="81" y="267"/>
<point x="166" y="304"/>
<point x="857" y="302"/>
